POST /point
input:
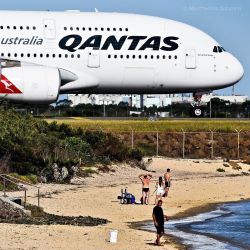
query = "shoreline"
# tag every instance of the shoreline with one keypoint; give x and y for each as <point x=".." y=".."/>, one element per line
<point x="196" y="188"/>
<point x="191" y="212"/>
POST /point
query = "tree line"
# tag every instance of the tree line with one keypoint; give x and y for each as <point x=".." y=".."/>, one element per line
<point x="64" y="108"/>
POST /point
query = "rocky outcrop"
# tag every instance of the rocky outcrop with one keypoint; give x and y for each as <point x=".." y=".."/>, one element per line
<point x="10" y="210"/>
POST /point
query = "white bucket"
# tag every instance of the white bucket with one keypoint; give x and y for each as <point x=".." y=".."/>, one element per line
<point x="113" y="236"/>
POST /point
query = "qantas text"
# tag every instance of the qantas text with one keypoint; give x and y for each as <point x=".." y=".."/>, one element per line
<point x="73" y="43"/>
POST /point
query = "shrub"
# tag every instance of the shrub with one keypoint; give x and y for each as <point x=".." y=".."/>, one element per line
<point x="136" y="154"/>
<point x="22" y="168"/>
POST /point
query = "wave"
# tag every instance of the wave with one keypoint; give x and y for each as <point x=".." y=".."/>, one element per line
<point x="182" y="229"/>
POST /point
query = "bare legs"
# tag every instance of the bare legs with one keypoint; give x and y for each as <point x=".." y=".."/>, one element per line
<point x="145" y="197"/>
<point x="158" y="239"/>
<point x="158" y="197"/>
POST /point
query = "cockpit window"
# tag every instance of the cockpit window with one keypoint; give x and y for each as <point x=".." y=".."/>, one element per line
<point x="218" y="49"/>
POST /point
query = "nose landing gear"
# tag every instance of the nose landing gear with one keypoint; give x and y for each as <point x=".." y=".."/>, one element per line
<point x="197" y="109"/>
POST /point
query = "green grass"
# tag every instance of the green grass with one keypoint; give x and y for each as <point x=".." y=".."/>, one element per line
<point x="32" y="179"/>
<point x="161" y="125"/>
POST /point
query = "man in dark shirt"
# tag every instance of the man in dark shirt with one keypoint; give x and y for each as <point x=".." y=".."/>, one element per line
<point x="158" y="218"/>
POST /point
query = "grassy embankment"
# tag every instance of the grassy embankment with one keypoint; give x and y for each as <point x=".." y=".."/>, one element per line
<point x="161" y="125"/>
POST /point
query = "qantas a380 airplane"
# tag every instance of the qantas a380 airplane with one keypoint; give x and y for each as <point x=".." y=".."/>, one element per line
<point x="44" y="54"/>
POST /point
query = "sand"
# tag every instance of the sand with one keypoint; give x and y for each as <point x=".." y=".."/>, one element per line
<point x="195" y="184"/>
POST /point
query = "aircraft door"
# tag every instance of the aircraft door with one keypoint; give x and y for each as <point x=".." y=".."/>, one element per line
<point x="94" y="58"/>
<point x="49" y="29"/>
<point x="190" y="59"/>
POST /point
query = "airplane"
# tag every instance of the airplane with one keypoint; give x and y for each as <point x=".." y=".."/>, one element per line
<point x="45" y="54"/>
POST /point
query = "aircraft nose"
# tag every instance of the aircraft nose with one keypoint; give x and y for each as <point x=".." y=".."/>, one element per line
<point x="236" y="69"/>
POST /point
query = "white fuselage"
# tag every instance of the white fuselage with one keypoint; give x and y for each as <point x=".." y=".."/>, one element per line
<point x="109" y="53"/>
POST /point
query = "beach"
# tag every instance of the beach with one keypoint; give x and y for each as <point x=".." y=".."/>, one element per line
<point x="196" y="187"/>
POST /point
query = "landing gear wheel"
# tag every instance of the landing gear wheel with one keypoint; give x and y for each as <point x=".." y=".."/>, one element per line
<point x="197" y="112"/>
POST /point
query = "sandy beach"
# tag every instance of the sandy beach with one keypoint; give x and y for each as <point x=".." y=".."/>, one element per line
<point x="195" y="184"/>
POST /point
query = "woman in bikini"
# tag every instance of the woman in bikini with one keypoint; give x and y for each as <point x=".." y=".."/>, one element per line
<point x="160" y="190"/>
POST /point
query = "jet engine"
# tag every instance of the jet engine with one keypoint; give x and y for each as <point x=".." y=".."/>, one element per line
<point x="28" y="83"/>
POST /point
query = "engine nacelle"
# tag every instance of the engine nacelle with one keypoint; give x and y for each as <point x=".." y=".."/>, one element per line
<point x="29" y="83"/>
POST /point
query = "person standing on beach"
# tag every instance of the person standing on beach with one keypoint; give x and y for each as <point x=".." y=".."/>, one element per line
<point x="160" y="190"/>
<point x="167" y="179"/>
<point x="159" y="218"/>
<point x="145" y="179"/>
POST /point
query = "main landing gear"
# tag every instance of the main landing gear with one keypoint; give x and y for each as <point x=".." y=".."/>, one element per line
<point x="197" y="109"/>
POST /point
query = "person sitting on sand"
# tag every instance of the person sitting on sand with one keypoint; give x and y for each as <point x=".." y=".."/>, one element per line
<point x="160" y="190"/>
<point x="145" y="179"/>
<point x="167" y="179"/>
<point x="158" y="218"/>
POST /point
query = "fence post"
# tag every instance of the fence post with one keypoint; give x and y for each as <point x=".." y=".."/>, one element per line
<point x="183" y="143"/>
<point x="4" y="187"/>
<point x="157" y="143"/>
<point x="212" y="144"/>
<point x="38" y="195"/>
<point x="25" y="198"/>
<point x="238" y="149"/>
<point x="132" y="138"/>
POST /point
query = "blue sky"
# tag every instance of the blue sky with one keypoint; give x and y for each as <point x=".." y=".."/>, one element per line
<point x="227" y="21"/>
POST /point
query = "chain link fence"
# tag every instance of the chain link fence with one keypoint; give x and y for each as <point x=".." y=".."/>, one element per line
<point x="195" y="145"/>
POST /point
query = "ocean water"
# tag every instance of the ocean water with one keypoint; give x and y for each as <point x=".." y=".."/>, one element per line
<point x="226" y="228"/>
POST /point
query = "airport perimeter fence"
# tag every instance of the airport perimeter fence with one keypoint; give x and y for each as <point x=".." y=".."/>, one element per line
<point x="194" y="145"/>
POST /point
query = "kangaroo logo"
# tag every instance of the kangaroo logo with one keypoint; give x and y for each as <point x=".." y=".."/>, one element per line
<point x="7" y="87"/>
